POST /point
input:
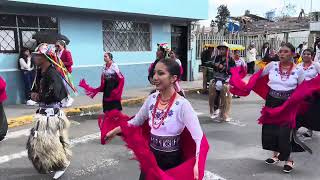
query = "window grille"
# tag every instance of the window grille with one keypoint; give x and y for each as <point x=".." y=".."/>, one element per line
<point x="121" y="35"/>
<point x="16" y="31"/>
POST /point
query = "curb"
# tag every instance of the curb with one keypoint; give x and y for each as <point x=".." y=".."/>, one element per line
<point x="89" y="109"/>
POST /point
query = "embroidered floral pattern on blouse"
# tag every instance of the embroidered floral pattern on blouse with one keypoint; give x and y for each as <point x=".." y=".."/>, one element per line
<point x="170" y="113"/>
<point x="177" y="103"/>
<point x="151" y="107"/>
<point x="159" y="114"/>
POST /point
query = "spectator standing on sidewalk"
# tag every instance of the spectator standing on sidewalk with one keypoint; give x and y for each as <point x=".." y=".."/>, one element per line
<point x="251" y="58"/>
<point x="26" y="66"/>
<point x="265" y="51"/>
<point x="173" y="56"/>
<point x="3" y="118"/>
<point x="66" y="57"/>
<point x="317" y="50"/>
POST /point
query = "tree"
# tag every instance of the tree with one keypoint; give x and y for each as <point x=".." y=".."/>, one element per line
<point x="222" y="17"/>
<point x="213" y="23"/>
<point x="288" y="10"/>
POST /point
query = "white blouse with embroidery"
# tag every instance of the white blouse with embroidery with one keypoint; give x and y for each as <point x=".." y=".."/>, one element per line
<point x="181" y="115"/>
<point x="312" y="71"/>
<point x="240" y="62"/>
<point x="108" y="71"/>
<point x="276" y="83"/>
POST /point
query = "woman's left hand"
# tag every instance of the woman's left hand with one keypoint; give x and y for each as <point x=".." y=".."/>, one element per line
<point x="196" y="172"/>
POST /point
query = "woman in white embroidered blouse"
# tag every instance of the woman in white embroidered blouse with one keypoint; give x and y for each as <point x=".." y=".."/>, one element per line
<point x="311" y="69"/>
<point x="168" y="114"/>
<point x="284" y="77"/>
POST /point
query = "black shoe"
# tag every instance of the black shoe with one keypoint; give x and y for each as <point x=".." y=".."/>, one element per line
<point x="307" y="134"/>
<point x="271" y="161"/>
<point x="288" y="168"/>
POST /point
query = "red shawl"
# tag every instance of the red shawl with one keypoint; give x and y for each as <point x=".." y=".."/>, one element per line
<point x="115" y="93"/>
<point x="286" y="114"/>
<point x="137" y="139"/>
<point x="3" y="94"/>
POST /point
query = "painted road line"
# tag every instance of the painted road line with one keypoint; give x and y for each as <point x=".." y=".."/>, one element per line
<point x="212" y="176"/>
<point x="22" y="154"/>
<point x="91" y="168"/>
<point x="17" y="134"/>
<point x="237" y="123"/>
<point x="199" y="113"/>
<point x="26" y="132"/>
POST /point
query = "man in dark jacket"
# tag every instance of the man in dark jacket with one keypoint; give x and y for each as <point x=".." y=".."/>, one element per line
<point x="51" y="123"/>
<point x="219" y="94"/>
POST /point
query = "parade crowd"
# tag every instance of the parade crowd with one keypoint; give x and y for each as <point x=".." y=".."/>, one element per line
<point x="165" y="134"/>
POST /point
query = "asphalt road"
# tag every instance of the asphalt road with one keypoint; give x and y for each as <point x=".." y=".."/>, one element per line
<point x="235" y="152"/>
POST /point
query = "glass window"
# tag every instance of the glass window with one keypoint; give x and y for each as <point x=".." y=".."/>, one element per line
<point x="16" y="31"/>
<point x="121" y="35"/>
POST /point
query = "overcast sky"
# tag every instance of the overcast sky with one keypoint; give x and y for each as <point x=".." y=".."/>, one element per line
<point x="260" y="7"/>
<point x="238" y="7"/>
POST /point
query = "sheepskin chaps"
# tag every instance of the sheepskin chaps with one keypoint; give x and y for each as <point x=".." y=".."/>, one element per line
<point x="48" y="144"/>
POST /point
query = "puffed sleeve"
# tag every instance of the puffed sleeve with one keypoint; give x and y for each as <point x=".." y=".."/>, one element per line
<point x="142" y="115"/>
<point x="191" y="121"/>
<point x="301" y="75"/>
<point x="267" y="69"/>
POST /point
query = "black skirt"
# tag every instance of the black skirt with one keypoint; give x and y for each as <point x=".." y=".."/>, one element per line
<point x="3" y="123"/>
<point x="111" y="105"/>
<point x="310" y="119"/>
<point x="165" y="160"/>
<point x="280" y="138"/>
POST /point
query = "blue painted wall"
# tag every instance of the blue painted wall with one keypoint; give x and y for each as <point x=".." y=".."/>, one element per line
<point x="191" y="9"/>
<point x="85" y="32"/>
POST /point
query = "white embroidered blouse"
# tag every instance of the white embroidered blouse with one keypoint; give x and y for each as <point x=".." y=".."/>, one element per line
<point x="312" y="71"/>
<point x="240" y="62"/>
<point x="181" y="115"/>
<point x="109" y="71"/>
<point x="277" y="83"/>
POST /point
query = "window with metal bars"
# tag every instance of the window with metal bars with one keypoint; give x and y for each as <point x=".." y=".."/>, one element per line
<point x="123" y="35"/>
<point x="16" y="31"/>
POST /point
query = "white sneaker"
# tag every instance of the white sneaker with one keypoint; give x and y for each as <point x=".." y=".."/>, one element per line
<point x="58" y="174"/>
<point x="213" y="116"/>
<point x="216" y="112"/>
<point x="31" y="103"/>
<point x="228" y="119"/>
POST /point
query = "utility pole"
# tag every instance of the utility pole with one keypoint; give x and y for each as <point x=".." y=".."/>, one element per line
<point x="310" y="6"/>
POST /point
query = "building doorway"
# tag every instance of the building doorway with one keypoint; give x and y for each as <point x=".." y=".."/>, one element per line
<point x="179" y="44"/>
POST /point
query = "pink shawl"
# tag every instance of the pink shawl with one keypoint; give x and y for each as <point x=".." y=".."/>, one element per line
<point x="286" y="114"/>
<point x="115" y="93"/>
<point x="3" y="94"/>
<point x="137" y="139"/>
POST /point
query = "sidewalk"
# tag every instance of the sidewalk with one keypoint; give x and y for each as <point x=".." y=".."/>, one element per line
<point x="21" y="114"/>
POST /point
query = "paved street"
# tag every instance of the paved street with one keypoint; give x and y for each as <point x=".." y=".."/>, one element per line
<point x="235" y="150"/>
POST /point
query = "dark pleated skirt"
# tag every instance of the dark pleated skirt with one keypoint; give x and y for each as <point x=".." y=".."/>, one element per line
<point x="165" y="160"/>
<point x="3" y="123"/>
<point x="310" y="119"/>
<point x="111" y="105"/>
<point x="280" y="138"/>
